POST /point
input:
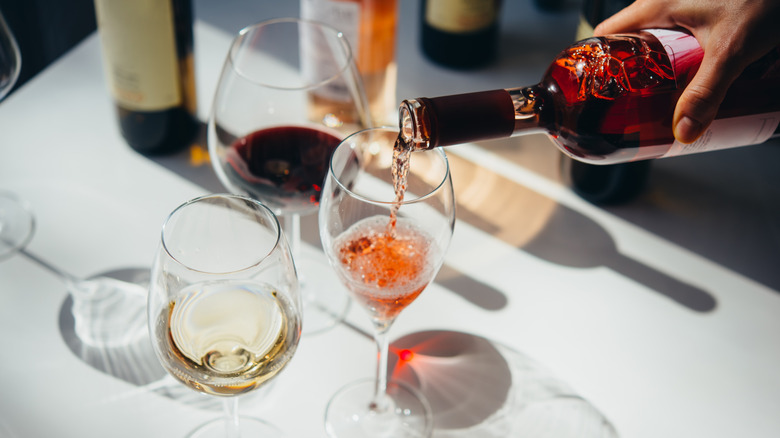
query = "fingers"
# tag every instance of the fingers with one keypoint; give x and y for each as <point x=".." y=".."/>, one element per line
<point x="642" y="14"/>
<point x="702" y="97"/>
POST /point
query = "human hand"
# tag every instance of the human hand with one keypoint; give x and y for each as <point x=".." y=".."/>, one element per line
<point x="733" y="34"/>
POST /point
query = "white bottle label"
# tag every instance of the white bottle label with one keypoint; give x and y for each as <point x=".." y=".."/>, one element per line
<point x="685" y="54"/>
<point x="317" y="61"/>
<point x="139" y="53"/>
<point x="729" y="133"/>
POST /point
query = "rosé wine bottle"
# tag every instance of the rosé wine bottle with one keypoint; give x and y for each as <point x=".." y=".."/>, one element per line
<point x="606" y="100"/>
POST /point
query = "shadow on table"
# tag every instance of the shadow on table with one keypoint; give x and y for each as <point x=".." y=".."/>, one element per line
<point x="478" y="388"/>
<point x="572" y="239"/>
<point x="135" y="362"/>
<point x="526" y="219"/>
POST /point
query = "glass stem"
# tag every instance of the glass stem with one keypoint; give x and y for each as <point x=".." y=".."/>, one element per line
<point x="292" y="225"/>
<point x="231" y="417"/>
<point x="381" y="401"/>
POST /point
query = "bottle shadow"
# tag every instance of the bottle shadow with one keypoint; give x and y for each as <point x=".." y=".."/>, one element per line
<point x="569" y="238"/>
<point x="551" y="231"/>
<point x="476" y="387"/>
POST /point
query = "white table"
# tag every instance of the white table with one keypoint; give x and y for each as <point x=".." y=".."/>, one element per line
<point x="610" y="322"/>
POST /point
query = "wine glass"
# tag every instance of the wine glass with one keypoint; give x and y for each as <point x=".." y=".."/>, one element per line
<point x="224" y="309"/>
<point x="16" y="219"/>
<point x="288" y="93"/>
<point x="107" y="312"/>
<point x="10" y="58"/>
<point x="17" y="224"/>
<point x="385" y="263"/>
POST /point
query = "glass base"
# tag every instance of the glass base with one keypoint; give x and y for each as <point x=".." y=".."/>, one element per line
<point x="248" y="426"/>
<point x="349" y="413"/>
<point x="325" y="302"/>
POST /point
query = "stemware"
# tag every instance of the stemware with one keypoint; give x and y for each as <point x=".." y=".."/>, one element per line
<point x="385" y="264"/>
<point x="288" y="93"/>
<point x="106" y="312"/>
<point x="17" y="224"/>
<point x="10" y="58"/>
<point x="224" y="309"/>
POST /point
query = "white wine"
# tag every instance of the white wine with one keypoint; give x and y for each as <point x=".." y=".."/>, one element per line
<point x="229" y="337"/>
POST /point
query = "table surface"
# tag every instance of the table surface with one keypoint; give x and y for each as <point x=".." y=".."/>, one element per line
<point x="662" y="314"/>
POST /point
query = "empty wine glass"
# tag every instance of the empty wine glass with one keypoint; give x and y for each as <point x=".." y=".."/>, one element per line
<point x="385" y="263"/>
<point x="288" y="93"/>
<point x="10" y="58"/>
<point x="224" y="310"/>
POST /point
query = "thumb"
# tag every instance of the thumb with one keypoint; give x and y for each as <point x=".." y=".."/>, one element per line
<point x="701" y="98"/>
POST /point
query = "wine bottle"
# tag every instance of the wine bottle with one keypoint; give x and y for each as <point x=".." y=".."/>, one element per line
<point x="606" y="100"/>
<point x="594" y="12"/>
<point x="460" y="33"/>
<point x="370" y="29"/>
<point x="550" y="5"/>
<point x="608" y="184"/>
<point x="148" y="57"/>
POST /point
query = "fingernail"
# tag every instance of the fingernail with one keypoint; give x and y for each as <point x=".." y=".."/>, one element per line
<point x="687" y="130"/>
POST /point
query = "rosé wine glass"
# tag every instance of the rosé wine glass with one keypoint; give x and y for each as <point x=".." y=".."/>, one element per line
<point x="385" y="265"/>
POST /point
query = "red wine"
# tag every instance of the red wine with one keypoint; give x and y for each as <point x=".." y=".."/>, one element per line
<point x="284" y="166"/>
<point x="607" y="100"/>
<point x="148" y="50"/>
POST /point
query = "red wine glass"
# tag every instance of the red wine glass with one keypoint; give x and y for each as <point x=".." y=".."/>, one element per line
<point x="288" y="93"/>
<point x="385" y="264"/>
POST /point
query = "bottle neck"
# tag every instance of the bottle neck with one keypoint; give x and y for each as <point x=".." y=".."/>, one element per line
<point x="527" y="104"/>
<point x="442" y="121"/>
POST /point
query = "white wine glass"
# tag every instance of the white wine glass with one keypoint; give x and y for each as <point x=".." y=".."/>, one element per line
<point x="288" y="93"/>
<point x="224" y="310"/>
<point x="385" y="264"/>
<point x="10" y="58"/>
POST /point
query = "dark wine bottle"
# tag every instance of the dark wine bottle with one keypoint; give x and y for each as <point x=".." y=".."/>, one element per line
<point x="149" y="65"/>
<point x="460" y="33"/>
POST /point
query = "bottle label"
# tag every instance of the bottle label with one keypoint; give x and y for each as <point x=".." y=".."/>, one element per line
<point x="461" y="16"/>
<point x="685" y="54"/>
<point x="317" y="60"/>
<point x="730" y="132"/>
<point x="139" y="51"/>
